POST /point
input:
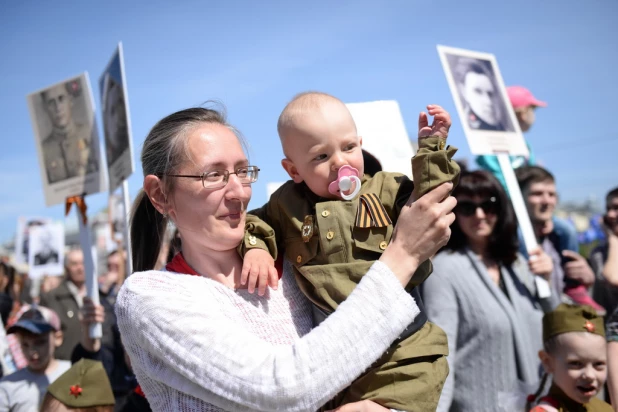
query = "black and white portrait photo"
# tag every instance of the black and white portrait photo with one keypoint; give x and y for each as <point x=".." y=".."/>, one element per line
<point x="22" y="241"/>
<point x="46" y="251"/>
<point x="480" y="96"/>
<point x="66" y="139"/>
<point x="116" y="121"/>
<point x="476" y="85"/>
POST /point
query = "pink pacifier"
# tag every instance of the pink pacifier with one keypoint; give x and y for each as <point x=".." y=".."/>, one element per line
<point x="347" y="184"/>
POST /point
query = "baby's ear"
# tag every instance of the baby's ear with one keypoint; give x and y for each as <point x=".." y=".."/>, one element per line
<point x="289" y="167"/>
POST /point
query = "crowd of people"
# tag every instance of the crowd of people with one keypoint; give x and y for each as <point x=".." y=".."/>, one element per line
<point x="416" y="295"/>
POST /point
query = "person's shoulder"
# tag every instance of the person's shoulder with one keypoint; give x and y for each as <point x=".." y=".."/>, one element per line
<point x="448" y="255"/>
<point x="388" y="185"/>
<point x="598" y="405"/>
<point x="16" y="378"/>
<point x="283" y="190"/>
<point x="60" y="290"/>
<point x="388" y="178"/>
<point x="156" y="282"/>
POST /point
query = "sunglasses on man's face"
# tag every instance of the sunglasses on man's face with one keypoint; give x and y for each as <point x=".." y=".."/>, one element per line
<point x="468" y="207"/>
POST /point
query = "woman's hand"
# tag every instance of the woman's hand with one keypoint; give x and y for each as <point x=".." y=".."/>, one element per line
<point x="90" y="314"/>
<point x="361" y="406"/>
<point x="422" y="229"/>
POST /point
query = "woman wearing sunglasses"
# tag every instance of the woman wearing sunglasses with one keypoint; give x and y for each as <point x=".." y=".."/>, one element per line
<point x="482" y="293"/>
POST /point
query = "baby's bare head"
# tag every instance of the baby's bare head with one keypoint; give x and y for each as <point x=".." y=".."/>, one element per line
<point x="310" y="114"/>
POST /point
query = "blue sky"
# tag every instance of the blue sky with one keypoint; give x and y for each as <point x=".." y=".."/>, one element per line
<point x="254" y="56"/>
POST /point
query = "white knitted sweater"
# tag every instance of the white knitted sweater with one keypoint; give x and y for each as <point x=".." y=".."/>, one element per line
<point x="196" y="345"/>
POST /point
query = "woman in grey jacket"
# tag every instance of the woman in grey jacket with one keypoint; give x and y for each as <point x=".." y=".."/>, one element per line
<point x="482" y="293"/>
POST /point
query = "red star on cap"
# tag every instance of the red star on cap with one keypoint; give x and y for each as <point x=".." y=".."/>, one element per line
<point x="589" y="326"/>
<point x="75" y="390"/>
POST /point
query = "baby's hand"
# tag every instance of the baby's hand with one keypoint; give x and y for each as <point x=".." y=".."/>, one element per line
<point x="259" y="267"/>
<point x="441" y="122"/>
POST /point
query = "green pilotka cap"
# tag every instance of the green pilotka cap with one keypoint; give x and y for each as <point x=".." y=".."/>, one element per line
<point x="572" y="318"/>
<point x="84" y="385"/>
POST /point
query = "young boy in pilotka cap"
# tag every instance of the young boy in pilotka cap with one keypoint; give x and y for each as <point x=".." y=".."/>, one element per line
<point x="39" y="334"/>
<point x="333" y="221"/>
<point x="575" y="356"/>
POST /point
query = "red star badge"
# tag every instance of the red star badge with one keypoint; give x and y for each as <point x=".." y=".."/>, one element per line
<point x="75" y="390"/>
<point x="589" y="326"/>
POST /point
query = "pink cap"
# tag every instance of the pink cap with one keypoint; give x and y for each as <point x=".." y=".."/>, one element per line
<point x="522" y="97"/>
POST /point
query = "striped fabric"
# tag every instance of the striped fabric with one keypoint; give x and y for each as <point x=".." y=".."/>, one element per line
<point x="371" y="212"/>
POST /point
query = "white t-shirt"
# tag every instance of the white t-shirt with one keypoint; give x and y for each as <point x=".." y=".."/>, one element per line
<point x="23" y="391"/>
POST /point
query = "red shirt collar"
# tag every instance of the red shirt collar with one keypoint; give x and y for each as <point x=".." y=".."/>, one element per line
<point x="180" y="265"/>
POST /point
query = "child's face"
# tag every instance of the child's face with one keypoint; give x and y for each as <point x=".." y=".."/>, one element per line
<point x="319" y="143"/>
<point x="579" y="365"/>
<point x="38" y="349"/>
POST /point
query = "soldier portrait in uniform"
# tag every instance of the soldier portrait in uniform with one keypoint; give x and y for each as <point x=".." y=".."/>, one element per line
<point x="478" y="90"/>
<point x="22" y="241"/>
<point x="116" y="121"/>
<point x="68" y="148"/>
<point x="46" y="252"/>
<point x="479" y="94"/>
<point x="67" y="140"/>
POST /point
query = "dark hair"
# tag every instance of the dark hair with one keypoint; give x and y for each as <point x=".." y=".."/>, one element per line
<point x="503" y="244"/>
<point x="372" y="164"/>
<point x="163" y="152"/>
<point x="466" y="65"/>
<point x="611" y="195"/>
<point x="527" y="175"/>
<point x="9" y="272"/>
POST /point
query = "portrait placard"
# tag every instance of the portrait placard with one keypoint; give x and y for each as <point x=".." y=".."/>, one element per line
<point x="384" y="134"/>
<point x="67" y="140"/>
<point x="46" y="252"/>
<point x="117" y="219"/>
<point x="486" y="115"/>
<point x="22" y="238"/>
<point x="116" y="121"/>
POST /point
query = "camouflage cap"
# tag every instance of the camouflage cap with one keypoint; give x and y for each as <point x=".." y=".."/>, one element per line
<point x="84" y="385"/>
<point x="572" y="318"/>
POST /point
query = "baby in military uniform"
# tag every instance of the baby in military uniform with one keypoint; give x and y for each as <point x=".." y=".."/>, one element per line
<point x="332" y="222"/>
<point x="575" y="356"/>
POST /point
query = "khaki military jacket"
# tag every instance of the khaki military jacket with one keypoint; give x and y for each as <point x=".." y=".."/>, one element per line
<point x="69" y="155"/>
<point x="559" y="401"/>
<point x="322" y="238"/>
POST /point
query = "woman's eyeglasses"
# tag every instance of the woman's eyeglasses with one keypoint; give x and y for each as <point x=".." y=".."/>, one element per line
<point x="468" y="207"/>
<point x="217" y="179"/>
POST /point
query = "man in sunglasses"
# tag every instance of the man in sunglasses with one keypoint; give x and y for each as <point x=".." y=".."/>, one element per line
<point x="571" y="275"/>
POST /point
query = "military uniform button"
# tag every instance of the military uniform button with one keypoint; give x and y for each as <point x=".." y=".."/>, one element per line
<point x="252" y="240"/>
<point x="383" y="245"/>
<point x="299" y="259"/>
<point x="326" y="213"/>
<point x="330" y="235"/>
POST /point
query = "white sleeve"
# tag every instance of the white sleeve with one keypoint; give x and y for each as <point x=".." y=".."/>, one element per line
<point x="181" y="341"/>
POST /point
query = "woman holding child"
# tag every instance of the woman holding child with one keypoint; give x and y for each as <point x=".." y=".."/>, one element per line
<point x="482" y="293"/>
<point x="197" y="338"/>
